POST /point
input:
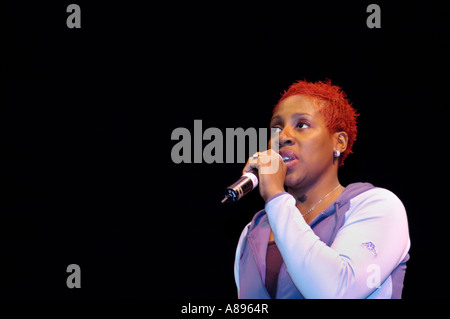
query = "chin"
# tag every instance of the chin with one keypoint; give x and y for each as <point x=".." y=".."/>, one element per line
<point x="293" y="179"/>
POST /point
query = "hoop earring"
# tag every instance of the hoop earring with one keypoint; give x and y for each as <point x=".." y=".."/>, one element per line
<point x="336" y="153"/>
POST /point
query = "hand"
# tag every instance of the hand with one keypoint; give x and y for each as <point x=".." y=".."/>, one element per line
<point x="271" y="172"/>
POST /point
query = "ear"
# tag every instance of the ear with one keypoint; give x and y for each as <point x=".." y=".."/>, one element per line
<point x="340" y="141"/>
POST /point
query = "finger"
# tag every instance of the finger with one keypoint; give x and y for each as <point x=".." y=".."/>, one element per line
<point x="252" y="163"/>
<point x="269" y="162"/>
<point x="268" y="157"/>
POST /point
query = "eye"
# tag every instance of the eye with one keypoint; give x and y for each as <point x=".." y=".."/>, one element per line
<point x="303" y="125"/>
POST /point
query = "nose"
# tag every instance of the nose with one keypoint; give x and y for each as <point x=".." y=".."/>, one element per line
<point x="285" y="138"/>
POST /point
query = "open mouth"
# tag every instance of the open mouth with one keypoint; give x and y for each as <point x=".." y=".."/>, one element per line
<point x="288" y="156"/>
<point x="287" y="159"/>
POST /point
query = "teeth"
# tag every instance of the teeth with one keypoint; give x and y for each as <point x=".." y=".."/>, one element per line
<point x="286" y="159"/>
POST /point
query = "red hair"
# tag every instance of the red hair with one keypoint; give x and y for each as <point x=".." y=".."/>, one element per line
<point x="334" y="106"/>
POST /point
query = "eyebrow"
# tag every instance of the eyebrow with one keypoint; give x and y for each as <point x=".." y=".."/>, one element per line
<point x="296" y="115"/>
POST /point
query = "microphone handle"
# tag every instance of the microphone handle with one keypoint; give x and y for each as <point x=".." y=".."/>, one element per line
<point x="241" y="187"/>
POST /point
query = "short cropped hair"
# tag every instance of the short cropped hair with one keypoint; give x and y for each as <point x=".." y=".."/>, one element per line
<point x="337" y="110"/>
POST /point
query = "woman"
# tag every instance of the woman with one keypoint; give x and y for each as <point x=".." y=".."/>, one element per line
<point x="316" y="238"/>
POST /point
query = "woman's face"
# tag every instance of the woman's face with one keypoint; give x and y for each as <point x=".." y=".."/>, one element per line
<point x="305" y="143"/>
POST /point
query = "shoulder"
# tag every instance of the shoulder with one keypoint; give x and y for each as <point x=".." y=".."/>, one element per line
<point x="376" y="195"/>
<point x="377" y="202"/>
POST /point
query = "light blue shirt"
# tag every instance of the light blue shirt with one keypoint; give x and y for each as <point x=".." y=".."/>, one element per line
<point x="372" y="242"/>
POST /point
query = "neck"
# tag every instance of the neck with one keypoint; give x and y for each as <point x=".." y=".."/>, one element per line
<point x="309" y="195"/>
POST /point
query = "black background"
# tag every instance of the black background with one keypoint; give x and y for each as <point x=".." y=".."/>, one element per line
<point x="87" y="116"/>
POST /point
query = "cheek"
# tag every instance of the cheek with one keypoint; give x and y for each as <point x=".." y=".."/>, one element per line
<point x="317" y="152"/>
<point x="316" y="148"/>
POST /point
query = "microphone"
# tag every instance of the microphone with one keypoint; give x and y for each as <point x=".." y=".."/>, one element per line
<point x="244" y="185"/>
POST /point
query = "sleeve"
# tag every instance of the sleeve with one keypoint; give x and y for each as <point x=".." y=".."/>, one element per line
<point x="238" y="256"/>
<point x="375" y="233"/>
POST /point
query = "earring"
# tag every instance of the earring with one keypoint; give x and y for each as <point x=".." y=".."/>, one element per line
<point x="336" y="153"/>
